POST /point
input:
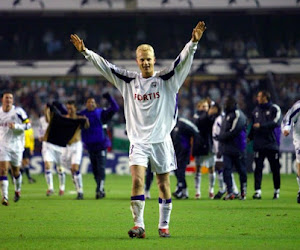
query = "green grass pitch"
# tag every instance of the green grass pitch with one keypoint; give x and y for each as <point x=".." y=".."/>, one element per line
<point x="40" y="222"/>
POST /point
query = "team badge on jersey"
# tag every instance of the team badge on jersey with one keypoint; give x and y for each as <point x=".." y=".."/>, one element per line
<point x="153" y="84"/>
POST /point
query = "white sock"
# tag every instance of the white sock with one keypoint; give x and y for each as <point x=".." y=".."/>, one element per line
<point x="137" y="208"/>
<point x="49" y="179"/>
<point x="234" y="187"/>
<point x="277" y="191"/>
<point x="4" y="186"/>
<point x="298" y="181"/>
<point x="212" y="179"/>
<point x="185" y="192"/>
<point x="101" y="185"/>
<point x="221" y="182"/>
<point x="18" y="182"/>
<point x="258" y="191"/>
<point x="165" y="208"/>
<point x="78" y="182"/>
<point x="62" y="181"/>
<point x="198" y="182"/>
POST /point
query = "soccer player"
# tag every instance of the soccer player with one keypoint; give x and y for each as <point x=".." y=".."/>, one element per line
<point x="202" y="150"/>
<point x="292" y="121"/>
<point x="60" y="131"/>
<point x="13" y="122"/>
<point x="27" y="153"/>
<point x="233" y="144"/>
<point x="151" y="112"/>
<point x="72" y="153"/>
<point x="96" y="140"/>
<point x="265" y="133"/>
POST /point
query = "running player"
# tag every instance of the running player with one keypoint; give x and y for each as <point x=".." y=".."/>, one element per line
<point x="72" y="153"/>
<point x="13" y="122"/>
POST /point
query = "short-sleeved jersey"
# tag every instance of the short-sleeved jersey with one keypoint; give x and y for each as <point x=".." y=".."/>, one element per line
<point x="150" y="104"/>
<point x="13" y="138"/>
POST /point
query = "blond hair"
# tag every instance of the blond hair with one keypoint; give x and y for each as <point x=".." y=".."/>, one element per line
<point x="144" y="47"/>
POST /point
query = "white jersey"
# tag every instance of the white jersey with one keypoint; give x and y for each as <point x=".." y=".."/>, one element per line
<point x="150" y="104"/>
<point x="43" y="125"/>
<point x="13" y="138"/>
<point x="216" y="129"/>
<point x="292" y="119"/>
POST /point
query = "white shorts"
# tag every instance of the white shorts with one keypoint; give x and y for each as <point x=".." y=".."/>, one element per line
<point x="72" y="154"/>
<point x="296" y="142"/>
<point x="205" y="160"/>
<point x="160" y="155"/>
<point x="52" y="153"/>
<point x="13" y="156"/>
<point x="216" y="159"/>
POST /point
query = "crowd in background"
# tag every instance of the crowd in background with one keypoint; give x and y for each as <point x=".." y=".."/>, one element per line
<point x="231" y="36"/>
<point x="33" y="94"/>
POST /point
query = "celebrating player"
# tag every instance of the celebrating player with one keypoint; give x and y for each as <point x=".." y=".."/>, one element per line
<point x="151" y="113"/>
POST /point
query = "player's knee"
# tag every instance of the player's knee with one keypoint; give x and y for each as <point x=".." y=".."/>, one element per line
<point x="163" y="186"/>
<point x="137" y="182"/>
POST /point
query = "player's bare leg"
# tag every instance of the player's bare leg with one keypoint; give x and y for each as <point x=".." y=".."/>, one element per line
<point x="17" y="177"/>
<point x="165" y="204"/>
<point x="137" y="204"/>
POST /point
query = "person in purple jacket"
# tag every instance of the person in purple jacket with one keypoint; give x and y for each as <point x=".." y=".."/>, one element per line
<point x="96" y="140"/>
<point x="232" y="138"/>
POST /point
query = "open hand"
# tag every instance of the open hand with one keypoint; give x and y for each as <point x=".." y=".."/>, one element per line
<point x="77" y="42"/>
<point x="198" y="31"/>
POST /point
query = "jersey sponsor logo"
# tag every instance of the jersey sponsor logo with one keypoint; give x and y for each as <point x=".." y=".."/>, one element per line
<point x="268" y="112"/>
<point x="256" y="114"/>
<point x="4" y="124"/>
<point x="147" y="97"/>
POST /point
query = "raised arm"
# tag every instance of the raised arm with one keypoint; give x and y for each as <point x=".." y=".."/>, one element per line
<point x="198" y="32"/>
<point x="108" y="113"/>
<point x="77" y="42"/>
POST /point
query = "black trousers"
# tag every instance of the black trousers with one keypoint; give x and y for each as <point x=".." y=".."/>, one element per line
<point x="273" y="158"/>
<point x="180" y="173"/>
<point x="98" y="161"/>
<point x="239" y="162"/>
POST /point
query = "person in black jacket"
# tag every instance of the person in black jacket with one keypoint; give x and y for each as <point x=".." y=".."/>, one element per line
<point x="181" y="135"/>
<point x="265" y="133"/>
<point x="202" y="149"/>
<point x="233" y="144"/>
